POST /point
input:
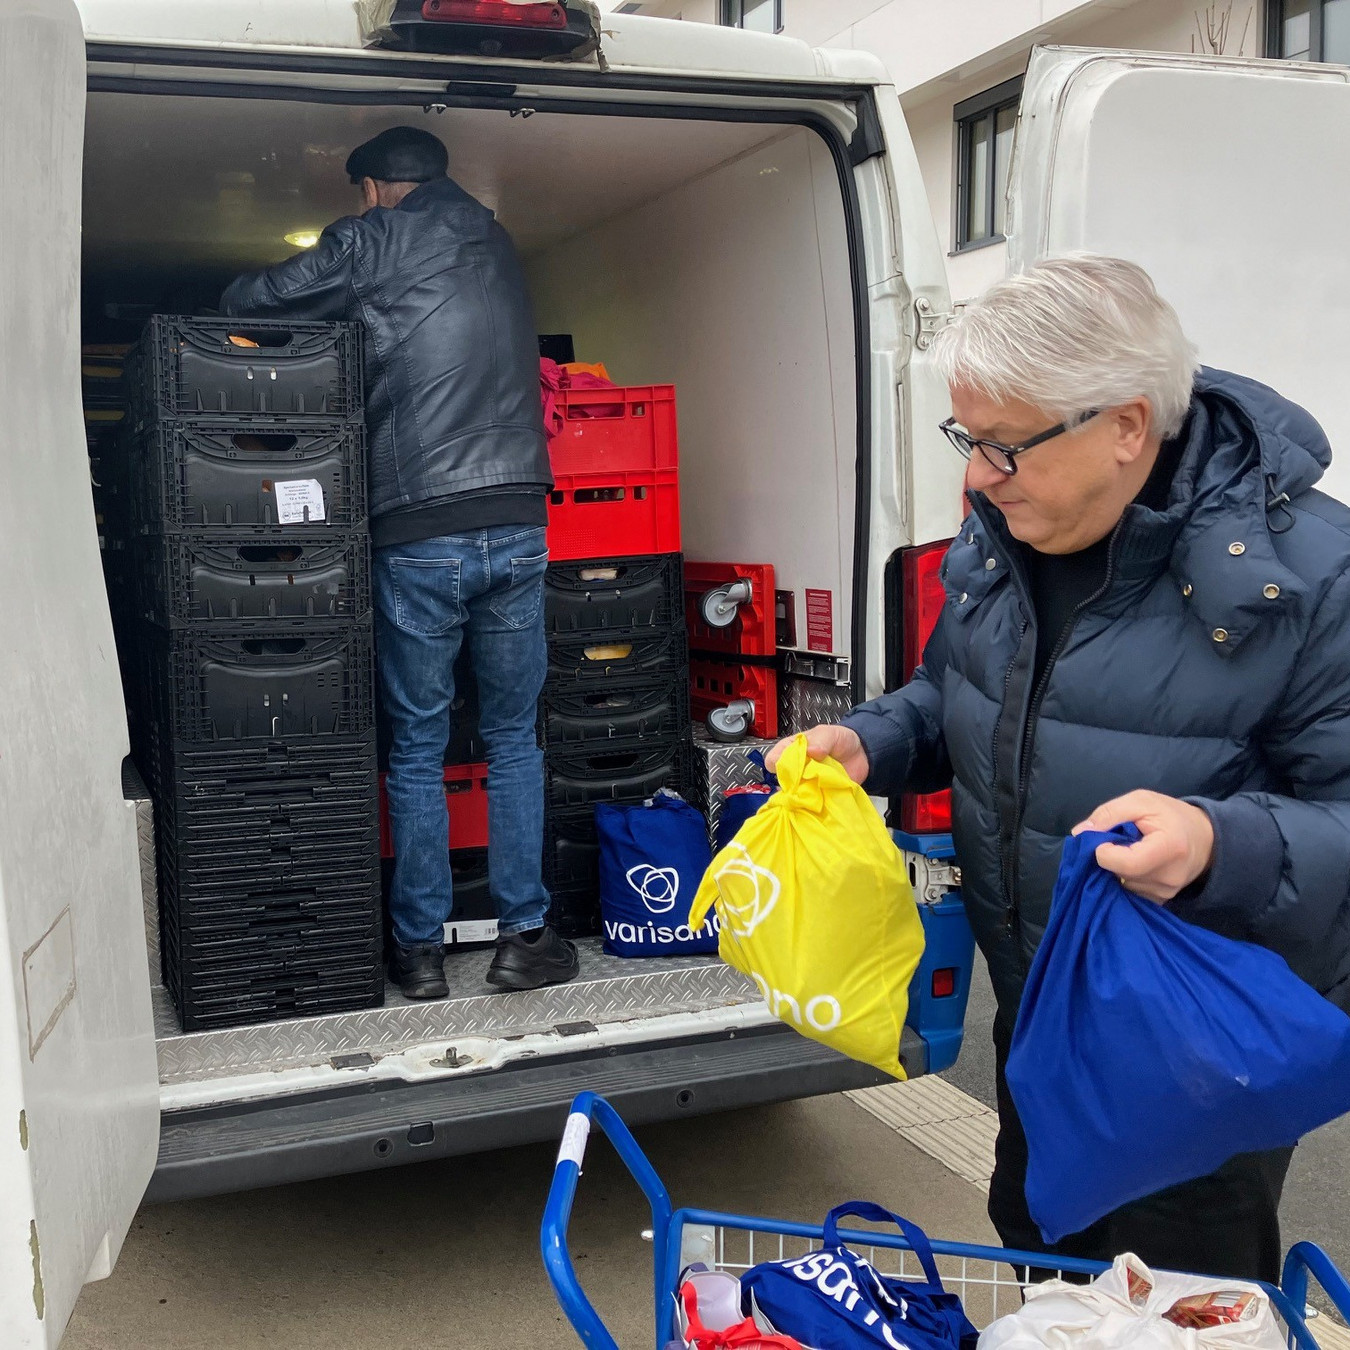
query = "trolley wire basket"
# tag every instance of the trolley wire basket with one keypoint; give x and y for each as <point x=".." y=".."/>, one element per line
<point x="988" y="1280"/>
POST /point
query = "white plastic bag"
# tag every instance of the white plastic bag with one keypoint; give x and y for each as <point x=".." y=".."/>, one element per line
<point x="1130" y="1308"/>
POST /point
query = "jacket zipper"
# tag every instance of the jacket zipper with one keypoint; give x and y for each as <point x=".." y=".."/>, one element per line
<point x="1014" y="917"/>
<point x="1006" y="853"/>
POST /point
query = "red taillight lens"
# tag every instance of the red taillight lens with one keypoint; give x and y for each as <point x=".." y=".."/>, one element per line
<point x="944" y="983"/>
<point x="922" y="598"/>
<point x="500" y="13"/>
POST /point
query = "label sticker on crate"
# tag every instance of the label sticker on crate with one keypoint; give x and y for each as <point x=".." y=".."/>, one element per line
<point x="470" y="930"/>
<point x="299" y="501"/>
<point x="819" y="621"/>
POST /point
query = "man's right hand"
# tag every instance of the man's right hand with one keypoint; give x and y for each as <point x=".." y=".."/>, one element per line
<point x="829" y="742"/>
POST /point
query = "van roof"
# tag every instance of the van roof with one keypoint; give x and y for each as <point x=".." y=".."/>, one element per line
<point x="632" y="44"/>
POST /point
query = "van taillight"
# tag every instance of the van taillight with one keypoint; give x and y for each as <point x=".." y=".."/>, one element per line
<point x="922" y="598"/>
<point x="500" y="13"/>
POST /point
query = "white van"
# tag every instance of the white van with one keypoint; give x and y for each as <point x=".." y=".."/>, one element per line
<point x="737" y="214"/>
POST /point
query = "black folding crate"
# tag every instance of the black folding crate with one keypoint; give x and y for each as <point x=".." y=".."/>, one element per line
<point x="243" y="476"/>
<point x="572" y="850"/>
<point x="473" y="915"/>
<point x="262" y="902"/>
<point x="252" y="786"/>
<point x="614" y="595"/>
<point x="208" y="1003"/>
<point x="218" y="870"/>
<point x="234" y="686"/>
<point x="589" y="659"/>
<point x="575" y="914"/>
<point x="269" y="951"/>
<point x="193" y="580"/>
<point x="472" y="924"/>
<point x="351" y="941"/>
<point x="575" y="778"/>
<point x="593" y="716"/>
<point x="191" y="367"/>
<point x="219" y="823"/>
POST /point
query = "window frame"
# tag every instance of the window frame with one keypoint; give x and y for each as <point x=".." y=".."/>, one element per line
<point x="1275" y="31"/>
<point x="965" y="115"/>
<point x="731" y="14"/>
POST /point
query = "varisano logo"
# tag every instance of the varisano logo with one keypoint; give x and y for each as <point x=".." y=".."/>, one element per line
<point x="657" y="887"/>
<point x="749" y="892"/>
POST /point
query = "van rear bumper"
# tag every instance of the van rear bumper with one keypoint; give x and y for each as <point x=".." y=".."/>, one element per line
<point x="212" y="1150"/>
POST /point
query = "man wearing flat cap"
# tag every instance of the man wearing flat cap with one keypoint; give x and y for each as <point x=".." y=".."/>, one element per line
<point x="459" y="477"/>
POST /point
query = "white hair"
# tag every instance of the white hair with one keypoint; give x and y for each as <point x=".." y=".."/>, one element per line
<point x="1072" y="335"/>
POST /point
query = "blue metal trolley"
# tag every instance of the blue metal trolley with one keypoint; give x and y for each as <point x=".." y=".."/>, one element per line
<point x="987" y="1279"/>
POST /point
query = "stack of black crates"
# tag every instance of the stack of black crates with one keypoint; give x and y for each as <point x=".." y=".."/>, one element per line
<point x="614" y="718"/>
<point x="248" y="656"/>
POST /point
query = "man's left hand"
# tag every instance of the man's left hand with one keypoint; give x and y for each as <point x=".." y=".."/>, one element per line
<point x="1177" y="847"/>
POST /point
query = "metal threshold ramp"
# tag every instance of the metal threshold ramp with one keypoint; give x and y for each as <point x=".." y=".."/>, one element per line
<point x="609" y="992"/>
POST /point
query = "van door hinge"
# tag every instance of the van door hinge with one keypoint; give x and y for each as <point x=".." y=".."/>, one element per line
<point x="930" y="322"/>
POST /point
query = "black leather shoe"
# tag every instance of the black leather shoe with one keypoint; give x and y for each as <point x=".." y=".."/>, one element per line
<point x="419" y="971"/>
<point x="519" y="964"/>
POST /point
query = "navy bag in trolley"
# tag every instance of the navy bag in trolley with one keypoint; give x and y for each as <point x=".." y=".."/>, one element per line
<point x="652" y="858"/>
<point x="1148" y="1051"/>
<point x="834" y="1299"/>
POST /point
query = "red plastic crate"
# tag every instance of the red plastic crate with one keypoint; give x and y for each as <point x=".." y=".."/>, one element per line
<point x="466" y="797"/>
<point x="753" y="632"/>
<point x="614" y="515"/>
<point x="618" y="430"/>
<point x="714" y="683"/>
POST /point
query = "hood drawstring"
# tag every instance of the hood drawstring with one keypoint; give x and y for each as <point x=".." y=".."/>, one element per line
<point x="1279" y="517"/>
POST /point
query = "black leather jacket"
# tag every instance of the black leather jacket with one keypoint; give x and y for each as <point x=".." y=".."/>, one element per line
<point x="452" y="356"/>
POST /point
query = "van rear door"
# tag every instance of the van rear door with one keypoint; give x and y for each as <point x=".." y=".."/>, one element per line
<point x="79" y="1099"/>
<point x="912" y="482"/>
<point x="1223" y="178"/>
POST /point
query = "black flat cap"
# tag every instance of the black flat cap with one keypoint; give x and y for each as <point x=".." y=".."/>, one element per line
<point x="399" y="155"/>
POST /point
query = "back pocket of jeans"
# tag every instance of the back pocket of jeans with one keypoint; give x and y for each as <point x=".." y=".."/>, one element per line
<point x="426" y="595"/>
<point x="518" y="606"/>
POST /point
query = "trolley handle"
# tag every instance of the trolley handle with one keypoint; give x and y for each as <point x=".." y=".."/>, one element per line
<point x="587" y="1110"/>
<point x="1307" y="1259"/>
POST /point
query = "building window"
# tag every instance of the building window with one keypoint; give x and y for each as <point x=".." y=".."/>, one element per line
<point x="1309" y="30"/>
<point x="984" y="133"/>
<point x="761" y="16"/>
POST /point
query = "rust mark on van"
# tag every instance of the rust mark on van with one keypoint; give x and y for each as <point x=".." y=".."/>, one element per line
<point x="39" y="1294"/>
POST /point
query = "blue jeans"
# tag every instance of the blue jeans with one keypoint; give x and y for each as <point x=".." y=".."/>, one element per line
<point x="428" y="596"/>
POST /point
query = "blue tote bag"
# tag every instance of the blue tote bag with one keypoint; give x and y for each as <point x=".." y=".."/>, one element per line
<point x="1149" y="1051"/>
<point x="652" y="858"/>
<point x="834" y="1299"/>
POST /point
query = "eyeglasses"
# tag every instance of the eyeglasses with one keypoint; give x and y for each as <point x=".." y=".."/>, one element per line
<point x="1004" y="457"/>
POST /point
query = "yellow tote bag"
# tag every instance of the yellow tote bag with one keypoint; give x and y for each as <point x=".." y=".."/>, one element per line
<point x="816" y="908"/>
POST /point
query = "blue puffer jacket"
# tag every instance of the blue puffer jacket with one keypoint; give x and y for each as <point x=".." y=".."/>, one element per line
<point x="1213" y="665"/>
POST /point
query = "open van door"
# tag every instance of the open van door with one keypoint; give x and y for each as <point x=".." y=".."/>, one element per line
<point x="1225" y="179"/>
<point x="79" y="1106"/>
<point x="912" y="483"/>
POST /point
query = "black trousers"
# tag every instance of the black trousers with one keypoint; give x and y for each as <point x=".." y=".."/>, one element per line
<point x="1226" y="1224"/>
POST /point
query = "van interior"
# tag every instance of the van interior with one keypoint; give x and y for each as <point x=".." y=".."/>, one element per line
<point x="713" y="255"/>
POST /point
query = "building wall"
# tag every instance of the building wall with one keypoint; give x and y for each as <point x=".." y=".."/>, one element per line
<point x="940" y="52"/>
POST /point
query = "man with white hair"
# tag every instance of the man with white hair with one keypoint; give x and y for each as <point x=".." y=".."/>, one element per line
<point x="1147" y="620"/>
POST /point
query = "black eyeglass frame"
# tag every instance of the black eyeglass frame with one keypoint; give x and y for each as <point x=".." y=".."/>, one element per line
<point x="966" y="444"/>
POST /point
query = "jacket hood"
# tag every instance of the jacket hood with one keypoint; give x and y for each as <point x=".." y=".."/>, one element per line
<point x="1294" y="449"/>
